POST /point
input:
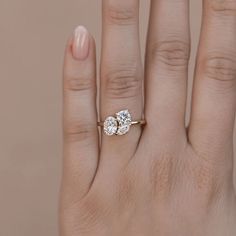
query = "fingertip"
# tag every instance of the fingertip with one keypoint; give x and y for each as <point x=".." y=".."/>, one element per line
<point x="80" y="44"/>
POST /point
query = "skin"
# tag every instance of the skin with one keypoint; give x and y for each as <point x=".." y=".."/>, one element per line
<point x="162" y="179"/>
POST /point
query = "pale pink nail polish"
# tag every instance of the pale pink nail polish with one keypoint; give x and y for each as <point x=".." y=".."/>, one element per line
<point x="80" y="48"/>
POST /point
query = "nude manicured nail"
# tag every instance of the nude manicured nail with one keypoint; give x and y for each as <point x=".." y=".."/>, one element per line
<point x="81" y="43"/>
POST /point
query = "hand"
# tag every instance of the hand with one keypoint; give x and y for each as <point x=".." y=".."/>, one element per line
<point x="161" y="179"/>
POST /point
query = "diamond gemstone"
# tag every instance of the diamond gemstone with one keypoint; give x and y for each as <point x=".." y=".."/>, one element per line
<point x="110" y="126"/>
<point x="124" y="121"/>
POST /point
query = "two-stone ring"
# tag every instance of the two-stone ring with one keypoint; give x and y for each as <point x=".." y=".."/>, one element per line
<point x="119" y="124"/>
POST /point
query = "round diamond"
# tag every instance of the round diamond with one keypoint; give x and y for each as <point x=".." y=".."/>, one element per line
<point x="124" y="120"/>
<point x="110" y="126"/>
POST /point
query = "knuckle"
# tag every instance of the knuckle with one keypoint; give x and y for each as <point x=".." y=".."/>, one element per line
<point x="75" y="132"/>
<point x="77" y="82"/>
<point x="161" y="175"/>
<point x="205" y="178"/>
<point x="207" y="174"/>
<point x="208" y="182"/>
<point x="90" y="214"/>
<point x="220" y="68"/>
<point x="92" y="211"/>
<point x="173" y="53"/>
<point x="225" y="7"/>
<point x="126" y="189"/>
<point x="121" y="15"/>
<point x="123" y="82"/>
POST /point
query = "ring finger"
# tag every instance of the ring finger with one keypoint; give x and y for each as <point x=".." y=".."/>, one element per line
<point x="121" y="72"/>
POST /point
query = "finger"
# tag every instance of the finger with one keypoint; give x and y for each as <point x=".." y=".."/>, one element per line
<point x="121" y="72"/>
<point x="214" y="98"/>
<point x="80" y="115"/>
<point x="167" y="68"/>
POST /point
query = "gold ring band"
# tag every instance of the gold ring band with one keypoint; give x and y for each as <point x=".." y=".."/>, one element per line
<point x="136" y="122"/>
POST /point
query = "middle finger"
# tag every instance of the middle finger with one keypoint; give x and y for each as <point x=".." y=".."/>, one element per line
<point x="167" y="69"/>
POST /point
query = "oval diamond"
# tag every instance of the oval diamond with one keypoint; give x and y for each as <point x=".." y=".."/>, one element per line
<point x="124" y="120"/>
<point x="110" y="126"/>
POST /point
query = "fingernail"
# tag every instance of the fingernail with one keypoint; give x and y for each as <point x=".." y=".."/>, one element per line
<point x="80" y="47"/>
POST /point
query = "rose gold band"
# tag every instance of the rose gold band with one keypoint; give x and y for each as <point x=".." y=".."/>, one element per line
<point x="136" y="122"/>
